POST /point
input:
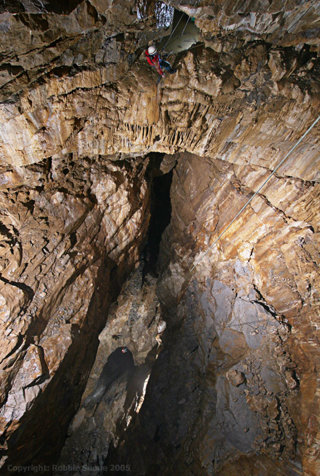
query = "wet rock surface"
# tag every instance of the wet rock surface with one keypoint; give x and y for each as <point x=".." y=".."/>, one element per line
<point x="233" y="374"/>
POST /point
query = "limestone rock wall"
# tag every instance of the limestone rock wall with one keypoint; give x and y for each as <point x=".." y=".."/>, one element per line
<point x="80" y="110"/>
<point x="134" y="321"/>
<point x="70" y="233"/>
<point x="236" y="110"/>
<point x="258" y="306"/>
<point x="281" y="23"/>
<point x="240" y="360"/>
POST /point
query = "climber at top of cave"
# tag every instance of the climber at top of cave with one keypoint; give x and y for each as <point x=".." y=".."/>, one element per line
<point x="155" y="60"/>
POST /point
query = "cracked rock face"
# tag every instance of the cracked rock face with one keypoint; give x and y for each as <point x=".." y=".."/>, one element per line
<point x="240" y="382"/>
<point x="134" y="320"/>
<point x="67" y="239"/>
<point x="84" y="129"/>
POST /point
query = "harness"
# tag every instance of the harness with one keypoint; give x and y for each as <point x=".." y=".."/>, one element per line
<point x="154" y="60"/>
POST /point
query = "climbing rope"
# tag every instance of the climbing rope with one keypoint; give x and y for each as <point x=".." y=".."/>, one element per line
<point x="193" y="267"/>
<point x="185" y="26"/>
<point x="172" y="32"/>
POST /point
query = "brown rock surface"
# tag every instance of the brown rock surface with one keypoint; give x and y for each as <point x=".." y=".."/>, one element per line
<point x="64" y="231"/>
<point x="235" y="387"/>
<point x="136" y="323"/>
<point x="233" y="321"/>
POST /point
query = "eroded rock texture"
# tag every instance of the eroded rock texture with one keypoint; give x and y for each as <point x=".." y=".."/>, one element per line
<point x="234" y="387"/>
<point x="233" y="335"/>
<point x="134" y="319"/>
<point x="67" y="238"/>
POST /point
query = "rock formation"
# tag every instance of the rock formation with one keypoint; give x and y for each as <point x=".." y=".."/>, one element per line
<point x="85" y="132"/>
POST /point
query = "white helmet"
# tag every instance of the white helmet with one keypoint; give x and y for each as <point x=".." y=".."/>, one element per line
<point x="152" y="50"/>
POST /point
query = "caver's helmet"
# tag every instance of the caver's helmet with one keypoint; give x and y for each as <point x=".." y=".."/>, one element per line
<point x="151" y="50"/>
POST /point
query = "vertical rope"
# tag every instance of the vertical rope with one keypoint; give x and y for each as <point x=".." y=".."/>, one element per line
<point x="193" y="5"/>
<point x="193" y="267"/>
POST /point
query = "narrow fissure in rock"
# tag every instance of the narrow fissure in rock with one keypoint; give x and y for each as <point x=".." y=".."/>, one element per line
<point x="134" y="327"/>
<point x="160" y="214"/>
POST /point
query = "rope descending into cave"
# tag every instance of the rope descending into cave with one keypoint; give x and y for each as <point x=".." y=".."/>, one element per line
<point x="185" y="26"/>
<point x="265" y="182"/>
<point x="172" y="32"/>
<point x="193" y="267"/>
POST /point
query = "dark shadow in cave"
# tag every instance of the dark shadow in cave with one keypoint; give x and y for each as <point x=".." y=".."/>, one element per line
<point x="119" y="362"/>
<point x="37" y="6"/>
<point x="137" y="378"/>
<point x="39" y="439"/>
<point x="160" y="209"/>
<point x="183" y="35"/>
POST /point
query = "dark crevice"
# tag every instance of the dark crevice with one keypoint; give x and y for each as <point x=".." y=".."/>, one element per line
<point x="36" y="443"/>
<point x="27" y="290"/>
<point x="29" y="205"/>
<point x="34" y="7"/>
<point x="12" y="351"/>
<point x="11" y="239"/>
<point x="270" y="309"/>
<point x="73" y="239"/>
<point x="160" y="210"/>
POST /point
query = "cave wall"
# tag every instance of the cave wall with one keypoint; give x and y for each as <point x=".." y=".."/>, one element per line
<point x="134" y="320"/>
<point x="227" y="23"/>
<point x="68" y="238"/>
<point x="77" y="120"/>
<point x="236" y="371"/>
